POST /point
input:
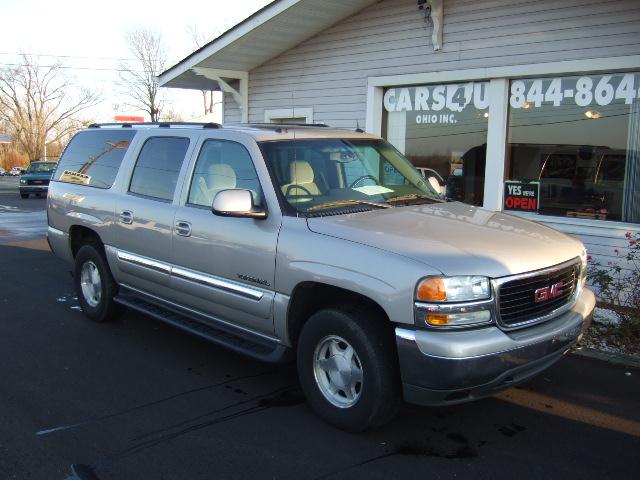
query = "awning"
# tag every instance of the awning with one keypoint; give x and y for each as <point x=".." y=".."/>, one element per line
<point x="223" y="64"/>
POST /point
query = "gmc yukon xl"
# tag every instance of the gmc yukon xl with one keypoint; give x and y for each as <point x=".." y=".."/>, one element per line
<point x="323" y="245"/>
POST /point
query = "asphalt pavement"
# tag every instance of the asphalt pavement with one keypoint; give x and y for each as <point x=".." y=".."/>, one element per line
<point x="137" y="399"/>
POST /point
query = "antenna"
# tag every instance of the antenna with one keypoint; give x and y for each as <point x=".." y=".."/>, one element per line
<point x="358" y="129"/>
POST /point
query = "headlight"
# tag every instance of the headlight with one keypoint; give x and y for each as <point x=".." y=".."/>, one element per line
<point x="23" y="182"/>
<point x="452" y="302"/>
<point x="453" y="289"/>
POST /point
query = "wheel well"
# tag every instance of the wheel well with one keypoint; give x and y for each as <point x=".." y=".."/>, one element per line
<point x="79" y="236"/>
<point x="309" y="297"/>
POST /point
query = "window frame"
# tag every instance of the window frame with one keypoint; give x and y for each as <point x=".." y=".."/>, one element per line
<point x="280" y="113"/>
<point x="192" y="171"/>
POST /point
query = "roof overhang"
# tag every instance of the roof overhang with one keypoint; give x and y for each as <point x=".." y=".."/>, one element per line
<point x="269" y="32"/>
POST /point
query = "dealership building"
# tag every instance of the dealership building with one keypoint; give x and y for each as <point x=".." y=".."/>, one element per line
<point x="524" y="105"/>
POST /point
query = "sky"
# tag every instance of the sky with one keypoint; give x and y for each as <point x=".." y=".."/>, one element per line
<point x="89" y="38"/>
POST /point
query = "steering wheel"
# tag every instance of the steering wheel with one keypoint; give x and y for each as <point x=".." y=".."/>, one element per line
<point x="291" y="187"/>
<point x="364" y="177"/>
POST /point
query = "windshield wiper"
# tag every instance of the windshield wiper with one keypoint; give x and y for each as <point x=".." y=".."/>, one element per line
<point x="342" y="203"/>
<point x="411" y="197"/>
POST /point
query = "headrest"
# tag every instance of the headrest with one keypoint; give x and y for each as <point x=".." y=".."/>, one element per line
<point x="301" y="172"/>
<point x="223" y="175"/>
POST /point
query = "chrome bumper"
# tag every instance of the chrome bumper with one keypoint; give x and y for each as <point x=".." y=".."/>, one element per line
<point x="33" y="188"/>
<point x="440" y="368"/>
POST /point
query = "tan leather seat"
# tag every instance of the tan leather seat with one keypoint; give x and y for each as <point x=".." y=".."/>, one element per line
<point x="219" y="176"/>
<point x="302" y="180"/>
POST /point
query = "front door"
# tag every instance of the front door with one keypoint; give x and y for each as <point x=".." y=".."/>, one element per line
<point x="223" y="266"/>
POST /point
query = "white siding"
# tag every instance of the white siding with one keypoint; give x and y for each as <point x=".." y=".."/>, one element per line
<point x="329" y="71"/>
<point x="232" y="113"/>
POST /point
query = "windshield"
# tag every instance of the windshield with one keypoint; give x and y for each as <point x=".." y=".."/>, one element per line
<point x="47" y="167"/>
<point x="331" y="175"/>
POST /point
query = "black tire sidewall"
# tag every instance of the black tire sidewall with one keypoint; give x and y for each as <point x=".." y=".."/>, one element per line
<point x="105" y="308"/>
<point x="379" y="396"/>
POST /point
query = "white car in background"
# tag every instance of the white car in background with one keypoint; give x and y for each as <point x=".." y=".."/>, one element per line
<point x="16" y="171"/>
<point x="2" y="172"/>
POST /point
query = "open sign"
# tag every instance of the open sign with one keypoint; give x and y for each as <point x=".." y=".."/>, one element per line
<point x="521" y="196"/>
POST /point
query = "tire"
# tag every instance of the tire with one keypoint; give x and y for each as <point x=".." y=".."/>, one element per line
<point x="95" y="297"/>
<point x="377" y="398"/>
<point x="24" y="195"/>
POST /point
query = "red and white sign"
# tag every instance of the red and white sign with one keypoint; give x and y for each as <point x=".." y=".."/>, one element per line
<point x="128" y="118"/>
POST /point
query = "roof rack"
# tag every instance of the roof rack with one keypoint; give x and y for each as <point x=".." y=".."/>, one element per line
<point x="278" y="125"/>
<point x="158" y="124"/>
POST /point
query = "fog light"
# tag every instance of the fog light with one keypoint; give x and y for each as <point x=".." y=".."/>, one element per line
<point x="457" y="319"/>
<point x="437" y="319"/>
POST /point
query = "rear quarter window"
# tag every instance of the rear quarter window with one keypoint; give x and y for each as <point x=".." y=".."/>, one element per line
<point x="93" y="157"/>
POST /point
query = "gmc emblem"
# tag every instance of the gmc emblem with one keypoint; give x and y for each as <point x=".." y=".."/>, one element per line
<point x="547" y="293"/>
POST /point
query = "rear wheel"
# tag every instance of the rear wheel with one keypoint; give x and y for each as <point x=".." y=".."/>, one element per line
<point x="95" y="285"/>
<point x="348" y="368"/>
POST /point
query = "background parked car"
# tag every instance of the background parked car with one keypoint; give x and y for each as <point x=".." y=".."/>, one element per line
<point x="16" y="171"/>
<point x="36" y="179"/>
<point x="2" y="171"/>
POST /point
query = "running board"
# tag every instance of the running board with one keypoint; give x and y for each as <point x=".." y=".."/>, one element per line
<point x="241" y="342"/>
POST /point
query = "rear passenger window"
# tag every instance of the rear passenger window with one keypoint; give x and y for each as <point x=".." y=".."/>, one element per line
<point x="223" y="165"/>
<point x="156" y="171"/>
<point x="93" y="157"/>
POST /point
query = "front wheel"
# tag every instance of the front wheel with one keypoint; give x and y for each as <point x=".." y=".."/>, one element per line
<point x="24" y="195"/>
<point x="95" y="285"/>
<point x="348" y="368"/>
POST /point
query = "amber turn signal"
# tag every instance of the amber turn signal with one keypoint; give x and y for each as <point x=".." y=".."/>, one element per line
<point x="437" y="319"/>
<point x="431" y="290"/>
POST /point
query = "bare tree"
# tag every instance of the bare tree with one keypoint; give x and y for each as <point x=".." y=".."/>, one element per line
<point x="170" y="115"/>
<point x="139" y="76"/>
<point x="40" y="104"/>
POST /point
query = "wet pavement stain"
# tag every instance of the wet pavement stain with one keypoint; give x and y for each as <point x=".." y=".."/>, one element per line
<point x="511" y="430"/>
<point x="457" y="437"/>
<point x="460" y="449"/>
<point x="288" y="398"/>
<point x="82" y="472"/>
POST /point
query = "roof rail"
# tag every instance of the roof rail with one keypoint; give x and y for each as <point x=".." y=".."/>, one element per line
<point x="158" y="124"/>
<point x="278" y="125"/>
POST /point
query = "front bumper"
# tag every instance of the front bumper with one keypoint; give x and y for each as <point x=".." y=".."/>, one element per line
<point x="441" y="368"/>
<point x="34" y="188"/>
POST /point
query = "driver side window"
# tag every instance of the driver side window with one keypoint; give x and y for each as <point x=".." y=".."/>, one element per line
<point x="222" y="165"/>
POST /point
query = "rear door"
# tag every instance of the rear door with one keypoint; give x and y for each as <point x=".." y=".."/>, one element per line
<point x="224" y="266"/>
<point x="145" y="210"/>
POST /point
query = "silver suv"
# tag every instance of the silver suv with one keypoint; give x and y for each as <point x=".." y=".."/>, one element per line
<point x="283" y="241"/>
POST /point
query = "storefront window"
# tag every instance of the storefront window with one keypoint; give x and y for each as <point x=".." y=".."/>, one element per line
<point x="442" y="129"/>
<point x="577" y="141"/>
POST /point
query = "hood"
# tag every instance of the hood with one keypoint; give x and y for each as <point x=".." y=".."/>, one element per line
<point x="455" y="238"/>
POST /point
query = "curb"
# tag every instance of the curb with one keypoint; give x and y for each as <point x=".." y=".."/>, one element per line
<point x="615" y="358"/>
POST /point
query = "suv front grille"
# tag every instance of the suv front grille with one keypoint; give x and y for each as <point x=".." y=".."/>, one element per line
<point x="517" y="298"/>
<point x="37" y="182"/>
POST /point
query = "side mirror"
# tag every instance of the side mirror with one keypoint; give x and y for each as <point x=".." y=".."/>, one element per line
<point x="236" y="203"/>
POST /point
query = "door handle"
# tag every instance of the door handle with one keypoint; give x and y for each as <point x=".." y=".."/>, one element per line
<point x="183" y="228"/>
<point x="126" y="217"/>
